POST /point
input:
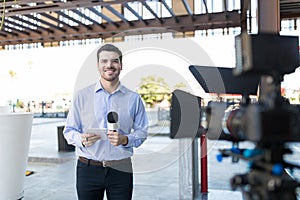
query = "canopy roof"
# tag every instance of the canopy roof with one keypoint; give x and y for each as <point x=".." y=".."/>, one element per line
<point x="37" y="21"/>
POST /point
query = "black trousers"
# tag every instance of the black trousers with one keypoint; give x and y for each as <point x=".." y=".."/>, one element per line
<point x="92" y="181"/>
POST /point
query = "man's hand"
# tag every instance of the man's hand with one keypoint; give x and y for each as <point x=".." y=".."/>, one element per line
<point x="116" y="138"/>
<point x="88" y="139"/>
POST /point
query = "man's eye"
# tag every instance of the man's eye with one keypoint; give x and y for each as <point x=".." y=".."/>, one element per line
<point x="112" y="61"/>
<point x="116" y="61"/>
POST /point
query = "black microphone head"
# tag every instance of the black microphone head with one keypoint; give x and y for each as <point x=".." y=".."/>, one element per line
<point x="112" y="117"/>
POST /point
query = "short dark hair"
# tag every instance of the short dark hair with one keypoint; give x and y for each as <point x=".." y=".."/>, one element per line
<point x="109" y="47"/>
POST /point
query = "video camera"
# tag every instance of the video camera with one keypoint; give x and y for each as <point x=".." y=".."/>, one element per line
<point x="269" y="120"/>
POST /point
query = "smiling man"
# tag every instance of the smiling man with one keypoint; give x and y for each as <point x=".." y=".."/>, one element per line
<point x="104" y="164"/>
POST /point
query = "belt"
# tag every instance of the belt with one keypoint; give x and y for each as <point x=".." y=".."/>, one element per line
<point x="108" y="163"/>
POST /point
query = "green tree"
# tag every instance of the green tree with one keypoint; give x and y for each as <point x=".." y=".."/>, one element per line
<point x="12" y="74"/>
<point x="154" y="89"/>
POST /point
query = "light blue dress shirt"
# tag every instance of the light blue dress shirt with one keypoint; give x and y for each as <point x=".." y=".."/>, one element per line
<point x="89" y="110"/>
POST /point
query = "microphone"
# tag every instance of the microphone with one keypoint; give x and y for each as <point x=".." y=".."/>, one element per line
<point x="112" y="121"/>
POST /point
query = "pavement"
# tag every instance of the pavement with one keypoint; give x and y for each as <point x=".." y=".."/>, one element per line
<point x="161" y="167"/>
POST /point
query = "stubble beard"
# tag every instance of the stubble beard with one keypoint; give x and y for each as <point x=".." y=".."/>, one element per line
<point x="110" y="78"/>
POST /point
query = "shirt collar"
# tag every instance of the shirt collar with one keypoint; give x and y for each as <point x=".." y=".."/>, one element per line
<point x="98" y="87"/>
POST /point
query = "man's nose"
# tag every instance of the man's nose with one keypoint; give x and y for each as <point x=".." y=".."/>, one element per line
<point x="110" y="64"/>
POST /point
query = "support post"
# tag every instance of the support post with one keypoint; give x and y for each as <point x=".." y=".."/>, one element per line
<point x="204" y="182"/>
<point x="268" y="22"/>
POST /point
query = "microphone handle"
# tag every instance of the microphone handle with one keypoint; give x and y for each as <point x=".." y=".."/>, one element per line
<point x="113" y="126"/>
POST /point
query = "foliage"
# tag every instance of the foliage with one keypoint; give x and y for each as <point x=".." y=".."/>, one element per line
<point x="20" y="104"/>
<point x="154" y="90"/>
<point x="12" y="73"/>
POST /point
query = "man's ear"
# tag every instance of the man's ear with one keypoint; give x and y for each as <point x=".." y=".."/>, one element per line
<point x="121" y="66"/>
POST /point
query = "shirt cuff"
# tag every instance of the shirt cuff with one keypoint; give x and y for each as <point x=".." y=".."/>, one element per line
<point x="79" y="142"/>
<point x="130" y="140"/>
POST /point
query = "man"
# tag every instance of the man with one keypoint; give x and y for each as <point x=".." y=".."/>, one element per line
<point x="105" y="165"/>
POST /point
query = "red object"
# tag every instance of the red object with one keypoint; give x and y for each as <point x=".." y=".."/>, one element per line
<point x="204" y="183"/>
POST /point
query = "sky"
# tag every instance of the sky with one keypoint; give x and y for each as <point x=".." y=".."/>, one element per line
<point x="40" y="73"/>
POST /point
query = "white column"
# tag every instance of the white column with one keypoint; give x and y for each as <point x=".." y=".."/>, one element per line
<point x="15" y="132"/>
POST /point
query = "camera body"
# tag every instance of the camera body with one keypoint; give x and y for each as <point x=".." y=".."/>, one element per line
<point x="255" y="122"/>
<point x="266" y="54"/>
<point x="270" y="122"/>
<point x="272" y="119"/>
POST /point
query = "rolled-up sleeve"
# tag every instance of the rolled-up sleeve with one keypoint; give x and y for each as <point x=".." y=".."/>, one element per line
<point x="140" y="124"/>
<point x="73" y="127"/>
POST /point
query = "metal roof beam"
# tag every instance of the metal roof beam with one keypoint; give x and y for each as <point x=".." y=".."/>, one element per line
<point x="74" y="20"/>
<point x="115" y="12"/>
<point x="187" y="8"/>
<point x="78" y="21"/>
<point x="3" y="35"/>
<point x="152" y="12"/>
<point x="15" y="29"/>
<point x="134" y="13"/>
<point x="88" y="18"/>
<point x="55" y="6"/>
<point x="103" y="17"/>
<point x="201" y="22"/>
<point x="225" y="6"/>
<point x="80" y="14"/>
<point x="9" y="33"/>
<point x="289" y="8"/>
<point x="59" y="21"/>
<point x="205" y="5"/>
<point x="31" y="24"/>
<point x="64" y="15"/>
<point x="23" y="27"/>
<point x="170" y="10"/>
<point x="46" y="23"/>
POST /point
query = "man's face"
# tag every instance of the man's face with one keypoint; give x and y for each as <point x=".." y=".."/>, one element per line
<point x="109" y="65"/>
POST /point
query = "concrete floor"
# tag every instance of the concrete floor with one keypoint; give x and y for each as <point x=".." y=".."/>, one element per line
<point x="156" y="166"/>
